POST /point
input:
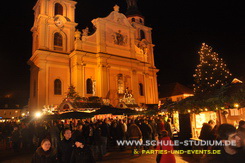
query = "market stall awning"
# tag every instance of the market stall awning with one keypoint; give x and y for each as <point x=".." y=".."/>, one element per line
<point x="115" y="111"/>
<point x="75" y="115"/>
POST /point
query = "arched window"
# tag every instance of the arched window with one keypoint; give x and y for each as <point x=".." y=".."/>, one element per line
<point x="58" y="41"/>
<point x="141" y="89"/>
<point x="142" y="35"/>
<point x="133" y="19"/>
<point x="58" y="9"/>
<point x="120" y="83"/>
<point x="89" y="84"/>
<point x="57" y="87"/>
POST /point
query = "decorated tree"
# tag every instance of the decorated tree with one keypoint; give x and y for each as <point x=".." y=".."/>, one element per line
<point x="72" y="94"/>
<point x="211" y="73"/>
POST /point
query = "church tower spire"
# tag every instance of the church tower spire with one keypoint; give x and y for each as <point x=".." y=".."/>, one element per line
<point x="133" y="13"/>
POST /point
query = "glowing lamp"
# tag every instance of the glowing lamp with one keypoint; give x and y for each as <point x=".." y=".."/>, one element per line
<point x="38" y="114"/>
<point x="236" y="105"/>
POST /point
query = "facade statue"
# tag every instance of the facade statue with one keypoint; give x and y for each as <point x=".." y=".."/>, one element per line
<point x="119" y="39"/>
<point x="85" y="31"/>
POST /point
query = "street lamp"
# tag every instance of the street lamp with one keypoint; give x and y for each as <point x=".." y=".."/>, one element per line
<point x="38" y="114"/>
<point x="236" y="105"/>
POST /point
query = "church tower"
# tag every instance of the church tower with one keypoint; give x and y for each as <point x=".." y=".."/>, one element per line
<point x="54" y="25"/>
<point x="53" y="40"/>
<point x="133" y="13"/>
<point x="144" y="46"/>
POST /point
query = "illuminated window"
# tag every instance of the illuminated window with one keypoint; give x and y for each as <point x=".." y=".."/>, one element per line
<point x="141" y="89"/>
<point x="58" y="41"/>
<point x="89" y="86"/>
<point x="58" y="9"/>
<point x="57" y="87"/>
<point x="142" y="35"/>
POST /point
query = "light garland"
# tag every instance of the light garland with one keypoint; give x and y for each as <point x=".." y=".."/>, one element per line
<point x="211" y="72"/>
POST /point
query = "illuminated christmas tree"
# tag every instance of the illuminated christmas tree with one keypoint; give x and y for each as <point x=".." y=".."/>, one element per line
<point x="211" y="73"/>
<point x="72" y="94"/>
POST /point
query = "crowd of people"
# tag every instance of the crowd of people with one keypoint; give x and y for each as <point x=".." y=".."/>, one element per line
<point x="87" y="141"/>
<point x="90" y="140"/>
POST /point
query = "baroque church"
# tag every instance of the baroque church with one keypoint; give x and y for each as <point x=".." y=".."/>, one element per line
<point x="117" y="58"/>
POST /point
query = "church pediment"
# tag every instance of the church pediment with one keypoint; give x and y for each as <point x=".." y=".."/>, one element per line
<point x="114" y="17"/>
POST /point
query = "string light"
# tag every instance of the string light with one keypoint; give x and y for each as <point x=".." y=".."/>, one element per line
<point x="211" y="71"/>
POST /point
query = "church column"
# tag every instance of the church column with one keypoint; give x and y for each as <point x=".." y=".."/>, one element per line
<point x="102" y="75"/>
<point x="155" y="92"/>
<point x="135" y="85"/>
<point x="147" y="88"/>
<point x="42" y="84"/>
<point x="83" y="80"/>
<point x="76" y="73"/>
<point x="132" y="44"/>
<point x="103" y="86"/>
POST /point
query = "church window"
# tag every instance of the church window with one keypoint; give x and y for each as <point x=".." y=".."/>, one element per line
<point x="141" y="21"/>
<point x="58" y="9"/>
<point x="142" y="35"/>
<point x="120" y="83"/>
<point x="89" y="86"/>
<point x="58" y="41"/>
<point x="141" y="89"/>
<point x="133" y="19"/>
<point x="57" y="87"/>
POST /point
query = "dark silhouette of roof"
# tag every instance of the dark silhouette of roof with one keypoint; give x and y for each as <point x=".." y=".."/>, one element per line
<point x="173" y="89"/>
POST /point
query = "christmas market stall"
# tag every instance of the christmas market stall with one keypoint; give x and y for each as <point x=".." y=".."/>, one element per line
<point x="217" y="96"/>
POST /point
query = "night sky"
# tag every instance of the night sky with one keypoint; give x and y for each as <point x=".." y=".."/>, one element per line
<point x="179" y="28"/>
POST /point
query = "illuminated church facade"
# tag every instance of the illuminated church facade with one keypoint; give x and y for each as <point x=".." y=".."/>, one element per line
<point x="117" y="57"/>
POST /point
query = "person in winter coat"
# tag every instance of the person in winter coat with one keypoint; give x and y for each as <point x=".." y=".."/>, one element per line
<point x="55" y="135"/>
<point x="105" y="134"/>
<point x="168" y="127"/>
<point x="134" y="134"/>
<point x="16" y="139"/>
<point x="45" y="153"/>
<point x="160" y="127"/>
<point x="205" y="133"/>
<point x="97" y="141"/>
<point x="121" y="134"/>
<point x="82" y="153"/>
<point x="166" y="146"/>
<point x="65" y="147"/>
<point x="146" y="132"/>
<point x="78" y="133"/>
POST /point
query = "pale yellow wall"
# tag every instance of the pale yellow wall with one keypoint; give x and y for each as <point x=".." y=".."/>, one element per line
<point x="96" y="56"/>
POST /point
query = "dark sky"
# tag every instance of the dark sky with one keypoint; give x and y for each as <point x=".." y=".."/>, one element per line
<point x="179" y="28"/>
